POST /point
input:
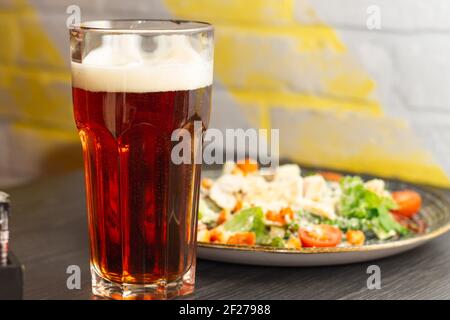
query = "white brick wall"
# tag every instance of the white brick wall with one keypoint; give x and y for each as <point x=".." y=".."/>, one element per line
<point x="409" y="59"/>
<point x="396" y="15"/>
<point x="413" y="73"/>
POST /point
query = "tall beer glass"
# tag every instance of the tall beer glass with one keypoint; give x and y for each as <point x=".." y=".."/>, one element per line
<point x="135" y="83"/>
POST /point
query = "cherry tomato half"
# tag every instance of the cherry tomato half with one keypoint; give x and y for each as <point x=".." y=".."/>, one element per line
<point x="408" y="201"/>
<point x="321" y="235"/>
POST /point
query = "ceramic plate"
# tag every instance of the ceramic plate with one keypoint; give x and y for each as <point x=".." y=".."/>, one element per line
<point x="435" y="212"/>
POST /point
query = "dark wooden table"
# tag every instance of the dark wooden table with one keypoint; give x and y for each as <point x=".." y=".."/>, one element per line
<point x="49" y="233"/>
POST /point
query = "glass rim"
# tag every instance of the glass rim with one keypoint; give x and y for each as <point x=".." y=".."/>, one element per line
<point x="101" y="26"/>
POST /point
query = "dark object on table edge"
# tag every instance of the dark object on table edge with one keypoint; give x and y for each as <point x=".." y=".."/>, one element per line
<point x="4" y="228"/>
<point x="11" y="279"/>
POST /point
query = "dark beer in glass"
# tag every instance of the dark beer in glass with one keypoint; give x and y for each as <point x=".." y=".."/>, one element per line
<point x="135" y="84"/>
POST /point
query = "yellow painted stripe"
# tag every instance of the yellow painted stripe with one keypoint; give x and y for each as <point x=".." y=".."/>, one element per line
<point x="292" y="100"/>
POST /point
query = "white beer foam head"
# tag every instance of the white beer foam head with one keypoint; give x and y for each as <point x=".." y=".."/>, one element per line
<point x="120" y="65"/>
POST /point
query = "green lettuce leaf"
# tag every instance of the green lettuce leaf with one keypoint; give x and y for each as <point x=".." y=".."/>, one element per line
<point x="361" y="203"/>
<point x="248" y="220"/>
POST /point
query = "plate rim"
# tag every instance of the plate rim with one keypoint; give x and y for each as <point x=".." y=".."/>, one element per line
<point x="371" y="247"/>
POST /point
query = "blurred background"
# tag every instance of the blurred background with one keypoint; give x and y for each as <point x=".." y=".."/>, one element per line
<point x="351" y="84"/>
